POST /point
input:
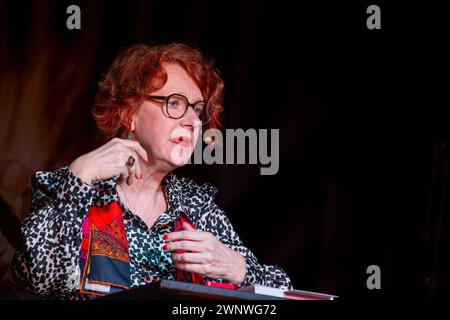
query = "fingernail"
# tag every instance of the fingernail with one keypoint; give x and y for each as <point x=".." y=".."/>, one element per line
<point x="165" y="247"/>
<point x="165" y="237"/>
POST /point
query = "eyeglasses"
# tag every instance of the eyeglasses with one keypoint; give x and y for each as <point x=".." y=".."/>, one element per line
<point x="177" y="106"/>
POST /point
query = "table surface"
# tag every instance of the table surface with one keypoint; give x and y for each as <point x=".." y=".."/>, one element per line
<point x="168" y="289"/>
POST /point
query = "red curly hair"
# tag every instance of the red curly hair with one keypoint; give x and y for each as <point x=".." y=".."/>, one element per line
<point x="137" y="71"/>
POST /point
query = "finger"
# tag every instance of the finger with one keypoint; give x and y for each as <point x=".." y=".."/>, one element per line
<point x="130" y="170"/>
<point x="191" y="257"/>
<point x="192" y="235"/>
<point x="130" y="177"/>
<point x="135" y="146"/>
<point x="185" y="245"/>
<point x="137" y="169"/>
<point x="122" y="176"/>
<point x="192" y="267"/>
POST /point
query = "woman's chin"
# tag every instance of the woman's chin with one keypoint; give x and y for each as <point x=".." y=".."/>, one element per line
<point x="180" y="156"/>
<point x="178" y="165"/>
<point x="180" y="162"/>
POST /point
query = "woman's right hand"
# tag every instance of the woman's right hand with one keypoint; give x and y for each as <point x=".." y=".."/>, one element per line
<point x="110" y="160"/>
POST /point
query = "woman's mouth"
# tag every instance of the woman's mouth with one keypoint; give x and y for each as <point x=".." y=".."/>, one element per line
<point x="182" y="141"/>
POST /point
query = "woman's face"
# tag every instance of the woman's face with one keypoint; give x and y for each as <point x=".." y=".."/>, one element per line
<point x="160" y="135"/>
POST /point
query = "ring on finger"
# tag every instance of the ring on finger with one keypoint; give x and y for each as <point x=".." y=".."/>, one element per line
<point x="130" y="161"/>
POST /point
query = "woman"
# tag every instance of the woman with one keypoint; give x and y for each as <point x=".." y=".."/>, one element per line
<point x="117" y="217"/>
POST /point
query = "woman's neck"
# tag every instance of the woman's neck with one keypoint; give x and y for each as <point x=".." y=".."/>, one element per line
<point x="145" y="197"/>
<point x="150" y="184"/>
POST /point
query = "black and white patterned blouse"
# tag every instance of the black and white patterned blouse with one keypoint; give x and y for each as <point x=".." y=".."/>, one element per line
<point x="48" y="264"/>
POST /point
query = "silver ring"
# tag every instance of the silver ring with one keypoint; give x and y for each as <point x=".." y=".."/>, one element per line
<point x="130" y="161"/>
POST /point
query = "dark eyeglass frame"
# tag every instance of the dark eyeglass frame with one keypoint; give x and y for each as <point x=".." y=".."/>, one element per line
<point x="165" y="100"/>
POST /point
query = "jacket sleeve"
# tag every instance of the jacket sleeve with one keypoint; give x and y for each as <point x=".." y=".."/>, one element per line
<point x="218" y="224"/>
<point x="48" y="263"/>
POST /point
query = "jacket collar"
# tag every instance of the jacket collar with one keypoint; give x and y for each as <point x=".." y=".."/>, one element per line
<point x="177" y="192"/>
<point x="183" y="194"/>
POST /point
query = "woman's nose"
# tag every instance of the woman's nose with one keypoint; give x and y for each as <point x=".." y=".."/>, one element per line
<point x="190" y="119"/>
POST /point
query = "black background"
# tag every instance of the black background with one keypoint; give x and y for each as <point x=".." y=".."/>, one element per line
<point x="363" y="118"/>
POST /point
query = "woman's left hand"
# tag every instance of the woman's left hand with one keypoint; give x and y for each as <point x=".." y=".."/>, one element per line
<point x="207" y="256"/>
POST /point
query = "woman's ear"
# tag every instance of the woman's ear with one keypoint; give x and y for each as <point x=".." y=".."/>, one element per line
<point x="127" y="120"/>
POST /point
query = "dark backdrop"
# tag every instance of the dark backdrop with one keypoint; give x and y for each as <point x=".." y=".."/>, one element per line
<point x="363" y="118"/>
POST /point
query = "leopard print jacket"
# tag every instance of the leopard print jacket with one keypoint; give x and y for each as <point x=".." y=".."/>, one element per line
<point x="48" y="263"/>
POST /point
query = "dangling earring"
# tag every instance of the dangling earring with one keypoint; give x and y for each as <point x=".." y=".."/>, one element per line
<point x="130" y="135"/>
